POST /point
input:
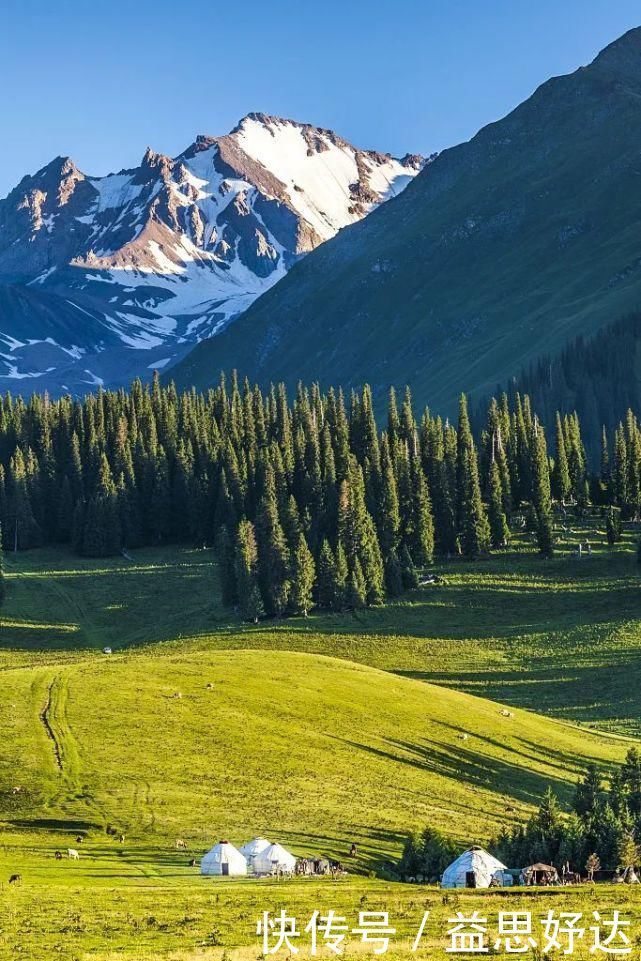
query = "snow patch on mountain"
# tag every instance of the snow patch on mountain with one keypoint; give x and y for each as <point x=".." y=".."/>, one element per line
<point x="165" y="254"/>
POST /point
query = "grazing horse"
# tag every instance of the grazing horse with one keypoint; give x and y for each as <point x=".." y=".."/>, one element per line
<point x="15" y="879"/>
<point x="180" y="845"/>
<point x="72" y="854"/>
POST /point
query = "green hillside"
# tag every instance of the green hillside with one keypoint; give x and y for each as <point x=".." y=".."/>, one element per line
<point x="557" y="636"/>
<point x="311" y="749"/>
<point x="503" y="249"/>
<point x="318" y="731"/>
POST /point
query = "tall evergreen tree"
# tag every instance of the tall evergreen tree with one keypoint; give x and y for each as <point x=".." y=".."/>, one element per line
<point x="327" y="592"/>
<point x="246" y="562"/>
<point x="499" y="530"/>
<point x="393" y="575"/>
<point x="303" y="577"/>
<point x="561" y="483"/>
<point x="2" y="578"/>
<point x="541" y="496"/>
<point x="274" y="554"/>
<point x="101" y="532"/>
<point x="613" y="526"/>
<point x="475" y="529"/>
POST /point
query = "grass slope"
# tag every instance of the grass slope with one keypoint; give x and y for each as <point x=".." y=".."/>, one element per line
<point x="561" y="637"/>
<point x="318" y="732"/>
<point x="314" y="749"/>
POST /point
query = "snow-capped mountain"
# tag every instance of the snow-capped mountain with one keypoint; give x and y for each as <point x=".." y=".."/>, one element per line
<point x="103" y="278"/>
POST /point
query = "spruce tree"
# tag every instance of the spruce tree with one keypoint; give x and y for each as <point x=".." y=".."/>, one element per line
<point x="342" y="574"/>
<point x="2" y="578"/>
<point x="620" y="479"/>
<point x="253" y="608"/>
<point x="274" y="558"/>
<point x="22" y="529"/>
<point x="541" y="497"/>
<point x="475" y="529"/>
<point x="393" y="421"/>
<point x="245" y="564"/>
<point x="356" y="592"/>
<point x="303" y="577"/>
<point x="326" y="593"/>
<point x="357" y="534"/>
<point x="388" y="521"/>
<point x="101" y="534"/>
<point x="561" y="475"/>
<point x="588" y="794"/>
<point x="393" y="575"/>
<point x="464" y="446"/>
<point x="499" y="530"/>
<point x="613" y="526"/>
<point x="604" y="471"/>
<point x="421" y="540"/>
<point x="408" y="570"/>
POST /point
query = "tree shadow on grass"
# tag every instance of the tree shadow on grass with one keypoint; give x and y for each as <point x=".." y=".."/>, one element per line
<point x="588" y="694"/>
<point x="59" y="825"/>
<point x="466" y="766"/>
<point x="119" y="606"/>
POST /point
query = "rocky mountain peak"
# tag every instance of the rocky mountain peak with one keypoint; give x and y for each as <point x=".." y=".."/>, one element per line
<point x="171" y="251"/>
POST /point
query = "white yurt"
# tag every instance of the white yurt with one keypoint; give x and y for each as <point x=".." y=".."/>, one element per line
<point x="475" y="868"/>
<point x="254" y="849"/>
<point x="223" y="859"/>
<point x="273" y="860"/>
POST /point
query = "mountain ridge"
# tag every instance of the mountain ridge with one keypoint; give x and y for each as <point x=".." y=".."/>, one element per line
<point x="506" y="247"/>
<point x="163" y="254"/>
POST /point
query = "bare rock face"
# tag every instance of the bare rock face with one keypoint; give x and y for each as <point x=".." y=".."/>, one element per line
<point x="150" y="260"/>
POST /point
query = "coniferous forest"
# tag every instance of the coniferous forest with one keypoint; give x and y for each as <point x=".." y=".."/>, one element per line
<point x="596" y="377"/>
<point x="307" y="501"/>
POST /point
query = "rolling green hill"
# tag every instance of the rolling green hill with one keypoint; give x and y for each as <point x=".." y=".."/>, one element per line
<point x="318" y="731"/>
<point x="311" y="749"/>
<point x="503" y="249"/>
<point x="558" y="636"/>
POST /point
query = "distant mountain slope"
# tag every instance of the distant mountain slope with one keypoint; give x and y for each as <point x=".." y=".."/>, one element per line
<point x="505" y="248"/>
<point x="105" y="277"/>
<point x="599" y="378"/>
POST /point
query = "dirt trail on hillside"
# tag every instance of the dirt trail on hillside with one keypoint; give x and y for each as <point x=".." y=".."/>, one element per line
<point x="45" y="715"/>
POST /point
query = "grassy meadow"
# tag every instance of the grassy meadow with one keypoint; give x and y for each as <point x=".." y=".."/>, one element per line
<point x="316" y="732"/>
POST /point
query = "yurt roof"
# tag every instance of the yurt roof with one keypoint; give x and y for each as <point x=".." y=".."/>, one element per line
<point x="476" y="854"/>
<point x="224" y="851"/>
<point x="255" y="846"/>
<point x="276" y="852"/>
<point x="481" y="852"/>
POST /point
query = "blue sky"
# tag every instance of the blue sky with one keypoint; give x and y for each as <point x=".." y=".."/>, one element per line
<point x="100" y="81"/>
